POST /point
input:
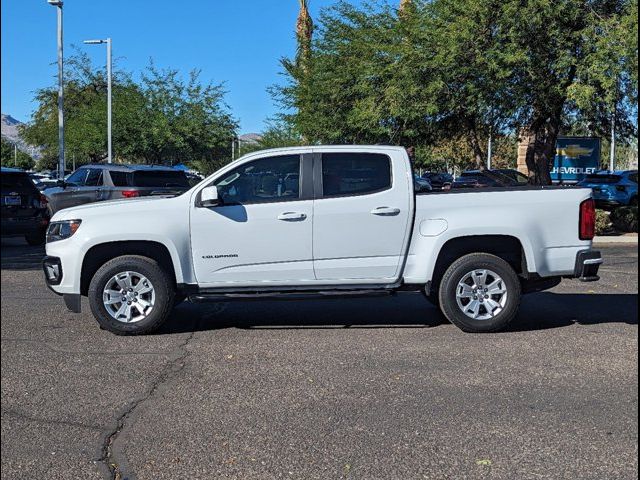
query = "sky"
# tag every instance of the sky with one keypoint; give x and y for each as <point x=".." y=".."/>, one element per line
<point x="238" y="42"/>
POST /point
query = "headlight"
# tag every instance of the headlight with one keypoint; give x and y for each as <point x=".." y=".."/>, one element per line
<point x="61" y="230"/>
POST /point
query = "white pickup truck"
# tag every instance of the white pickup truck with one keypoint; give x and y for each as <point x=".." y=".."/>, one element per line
<point x="316" y="221"/>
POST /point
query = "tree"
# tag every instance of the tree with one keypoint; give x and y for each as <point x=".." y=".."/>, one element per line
<point x="162" y="119"/>
<point x="567" y="69"/>
<point x="12" y="157"/>
<point x="444" y="71"/>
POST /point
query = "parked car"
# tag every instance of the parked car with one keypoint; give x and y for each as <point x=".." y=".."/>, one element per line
<point x="421" y="184"/>
<point x="351" y="225"/>
<point x="613" y="189"/>
<point x="439" y="180"/>
<point x="95" y="183"/>
<point x="482" y="179"/>
<point x="515" y="175"/>
<point x="24" y="208"/>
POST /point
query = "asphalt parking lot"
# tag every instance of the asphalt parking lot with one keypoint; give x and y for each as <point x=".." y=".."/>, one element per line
<point x="359" y="388"/>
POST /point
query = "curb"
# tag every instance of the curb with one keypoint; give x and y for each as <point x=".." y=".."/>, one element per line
<point x="627" y="239"/>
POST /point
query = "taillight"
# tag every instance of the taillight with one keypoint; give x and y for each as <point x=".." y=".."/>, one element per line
<point x="587" y="219"/>
<point x="130" y="193"/>
<point x="44" y="201"/>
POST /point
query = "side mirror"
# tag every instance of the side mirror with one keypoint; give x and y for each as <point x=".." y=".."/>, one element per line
<point x="209" y="197"/>
<point x="61" y="184"/>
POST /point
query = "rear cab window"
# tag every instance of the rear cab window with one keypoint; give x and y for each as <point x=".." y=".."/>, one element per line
<point x="350" y="174"/>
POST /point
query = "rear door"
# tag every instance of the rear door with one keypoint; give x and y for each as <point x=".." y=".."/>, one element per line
<point x="361" y="216"/>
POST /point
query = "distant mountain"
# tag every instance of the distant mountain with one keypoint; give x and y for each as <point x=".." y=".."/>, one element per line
<point x="10" y="132"/>
<point x="250" y="138"/>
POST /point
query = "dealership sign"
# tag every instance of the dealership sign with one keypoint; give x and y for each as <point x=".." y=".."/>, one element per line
<point x="575" y="158"/>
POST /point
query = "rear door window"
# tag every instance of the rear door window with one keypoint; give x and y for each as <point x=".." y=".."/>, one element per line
<point x="160" y="179"/>
<point x="347" y="174"/>
<point x="94" y="178"/>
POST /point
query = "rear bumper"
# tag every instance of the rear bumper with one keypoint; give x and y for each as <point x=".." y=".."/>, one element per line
<point x="587" y="264"/>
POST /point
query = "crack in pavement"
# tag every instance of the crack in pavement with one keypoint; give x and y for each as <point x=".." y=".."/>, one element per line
<point x="117" y="467"/>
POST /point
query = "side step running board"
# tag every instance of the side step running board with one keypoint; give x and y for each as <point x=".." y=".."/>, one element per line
<point x="228" y="297"/>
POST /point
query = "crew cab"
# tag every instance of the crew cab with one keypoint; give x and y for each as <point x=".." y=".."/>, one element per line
<point x="315" y="221"/>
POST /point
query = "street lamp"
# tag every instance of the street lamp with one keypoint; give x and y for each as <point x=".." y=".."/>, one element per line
<point x="108" y="42"/>
<point x="58" y="5"/>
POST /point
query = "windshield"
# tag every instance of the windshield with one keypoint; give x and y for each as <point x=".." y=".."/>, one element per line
<point x="160" y="179"/>
<point x="16" y="181"/>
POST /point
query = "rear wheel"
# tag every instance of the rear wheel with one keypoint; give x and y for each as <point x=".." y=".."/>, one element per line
<point x="131" y="295"/>
<point x="480" y="293"/>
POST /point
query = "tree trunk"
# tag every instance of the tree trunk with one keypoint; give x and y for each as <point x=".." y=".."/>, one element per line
<point x="474" y="143"/>
<point x="541" y="137"/>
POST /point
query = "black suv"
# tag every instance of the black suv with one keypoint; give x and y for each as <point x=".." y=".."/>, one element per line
<point x="24" y="208"/>
<point x="95" y="183"/>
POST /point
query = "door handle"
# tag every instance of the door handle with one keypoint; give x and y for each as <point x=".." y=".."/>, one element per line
<point x="385" y="211"/>
<point x="292" y="216"/>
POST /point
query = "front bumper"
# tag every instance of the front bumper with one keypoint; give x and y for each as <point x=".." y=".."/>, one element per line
<point x="53" y="274"/>
<point x="587" y="264"/>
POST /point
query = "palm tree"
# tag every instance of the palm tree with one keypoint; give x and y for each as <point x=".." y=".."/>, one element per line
<point x="304" y="33"/>
<point x="404" y="7"/>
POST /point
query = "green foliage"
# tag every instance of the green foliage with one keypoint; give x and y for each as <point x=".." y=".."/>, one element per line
<point x="603" y="222"/>
<point x="625" y="219"/>
<point x="162" y="119"/>
<point x="10" y="159"/>
<point x="441" y="75"/>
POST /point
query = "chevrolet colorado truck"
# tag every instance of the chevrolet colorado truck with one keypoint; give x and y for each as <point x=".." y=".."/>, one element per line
<point x="317" y="221"/>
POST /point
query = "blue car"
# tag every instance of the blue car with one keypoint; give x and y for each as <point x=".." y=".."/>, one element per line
<point x="613" y="189"/>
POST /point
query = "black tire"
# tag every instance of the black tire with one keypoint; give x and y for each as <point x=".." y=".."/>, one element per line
<point x="457" y="271"/>
<point x="36" y="238"/>
<point x="164" y="294"/>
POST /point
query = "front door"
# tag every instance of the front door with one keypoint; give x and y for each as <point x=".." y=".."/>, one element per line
<point x="361" y="217"/>
<point x="261" y="234"/>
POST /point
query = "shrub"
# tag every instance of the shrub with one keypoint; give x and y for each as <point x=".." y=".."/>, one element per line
<point x="603" y="223"/>
<point x="625" y="219"/>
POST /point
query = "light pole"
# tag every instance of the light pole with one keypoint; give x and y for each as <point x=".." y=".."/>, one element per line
<point x="58" y="5"/>
<point x="108" y="42"/>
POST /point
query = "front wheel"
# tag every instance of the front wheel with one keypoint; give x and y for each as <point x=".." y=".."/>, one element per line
<point x="480" y="293"/>
<point x="131" y="295"/>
